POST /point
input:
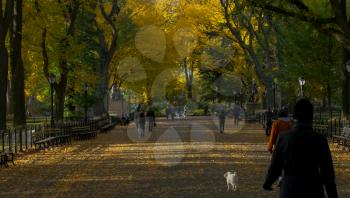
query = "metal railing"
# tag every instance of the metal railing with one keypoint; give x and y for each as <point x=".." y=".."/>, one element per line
<point x="328" y="128"/>
<point x="20" y="139"/>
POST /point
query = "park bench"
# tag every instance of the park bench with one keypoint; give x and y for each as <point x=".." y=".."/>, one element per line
<point x="63" y="139"/>
<point x="51" y="137"/>
<point x="106" y="126"/>
<point x="45" y="143"/>
<point x="6" y="157"/>
<point x="83" y="132"/>
<point x="344" y="138"/>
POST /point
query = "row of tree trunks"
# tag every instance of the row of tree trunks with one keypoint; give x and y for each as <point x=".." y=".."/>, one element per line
<point x="337" y="26"/>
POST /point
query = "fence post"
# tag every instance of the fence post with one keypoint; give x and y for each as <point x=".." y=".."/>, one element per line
<point x="3" y="140"/>
<point x="16" y="140"/>
<point x="31" y="135"/>
<point x="26" y="134"/>
<point x="20" y="139"/>
<point x="10" y="140"/>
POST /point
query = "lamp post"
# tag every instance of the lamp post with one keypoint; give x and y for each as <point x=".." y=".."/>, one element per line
<point x="240" y="97"/>
<point x="122" y="99"/>
<point x="52" y="79"/>
<point x="301" y="83"/>
<point x="235" y="96"/>
<point x="274" y="86"/>
<point x="86" y="88"/>
<point x="253" y="95"/>
<point x="129" y="99"/>
<point x="109" y="98"/>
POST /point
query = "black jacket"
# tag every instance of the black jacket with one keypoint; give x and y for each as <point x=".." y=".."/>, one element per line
<point x="306" y="161"/>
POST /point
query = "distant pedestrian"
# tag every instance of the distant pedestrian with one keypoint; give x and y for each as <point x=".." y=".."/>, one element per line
<point x="172" y="112"/>
<point x="305" y="158"/>
<point x="142" y="122"/>
<point x="185" y="111"/>
<point x="236" y="113"/>
<point x="268" y="122"/>
<point x="151" y="118"/>
<point x="167" y="112"/>
<point x="137" y="119"/>
<point x="222" y="117"/>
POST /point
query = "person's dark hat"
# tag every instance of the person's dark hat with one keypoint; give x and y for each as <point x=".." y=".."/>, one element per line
<point x="303" y="111"/>
<point x="283" y="112"/>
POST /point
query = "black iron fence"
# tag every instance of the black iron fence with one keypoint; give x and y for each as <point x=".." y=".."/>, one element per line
<point x="326" y="127"/>
<point x="22" y="138"/>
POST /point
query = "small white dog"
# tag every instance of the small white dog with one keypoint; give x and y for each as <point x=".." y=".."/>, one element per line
<point x="231" y="180"/>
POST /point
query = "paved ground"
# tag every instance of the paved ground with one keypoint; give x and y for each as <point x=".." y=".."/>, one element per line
<point x="181" y="158"/>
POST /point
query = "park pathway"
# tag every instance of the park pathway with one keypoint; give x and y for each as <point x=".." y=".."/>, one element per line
<point x="180" y="158"/>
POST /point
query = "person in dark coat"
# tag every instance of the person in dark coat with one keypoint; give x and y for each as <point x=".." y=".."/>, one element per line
<point x="268" y="124"/>
<point x="222" y="117"/>
<point x="151" y="118"/>
<point x="305" y="158"/>
<point x="142" y="122"/>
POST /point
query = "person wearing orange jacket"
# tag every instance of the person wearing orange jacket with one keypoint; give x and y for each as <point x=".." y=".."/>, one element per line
<point x="282" y="124"/>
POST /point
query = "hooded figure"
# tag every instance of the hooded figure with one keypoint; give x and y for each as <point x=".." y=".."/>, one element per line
<point x="305" y="159"/>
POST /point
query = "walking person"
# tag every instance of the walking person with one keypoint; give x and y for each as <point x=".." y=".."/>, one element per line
<point x="305" y="158"/>
<point x="137" y="120"/>
<point x="236" y="113"/>
<point x="268" y="122"/>
<point x="282" y="124"/>
<point x="185" y="111"/>
<point x="151" y="118"/>
<point x="142" y="122"/>
<point x="222" y="117"/>
<point x="172" y="112"/>
<point x="167" y="112"/>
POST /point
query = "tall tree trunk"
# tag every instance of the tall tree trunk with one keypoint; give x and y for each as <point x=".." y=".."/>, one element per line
<point x="71" y="10"/>
<point x="17" y="70"/>
<point x="60" y="91"/>
<point x="107" y="51"/>
<point x="9" y="98"/>
<point x="3" y="78"/>
<point x="5" y="19"/>
<point x="346" y="85"/>
<point x="101" y="107"/>
<point x="189" y="77"/>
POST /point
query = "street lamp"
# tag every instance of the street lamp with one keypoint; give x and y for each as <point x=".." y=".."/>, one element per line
<point x="52" y="79"/>
<point x="301" y="83"/>
<point x="122" y="97"/>
<point x="253" y="95"/>
<point x="86" y="88"/>
<point x="274" y="86"/>
<point x="235" y="96"/>
<point x="240" y="97"/>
